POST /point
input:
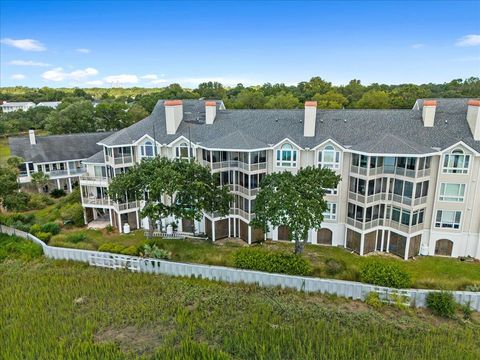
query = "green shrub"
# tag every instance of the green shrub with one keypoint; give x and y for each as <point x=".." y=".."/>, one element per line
<point x="72" y="214"/>
<point x="390" y="275"/>
<point x="472" y="287"/>
<point x="17" y="201"/>
<point x="283" y="263"/>
<point x="131" y="250"/>
<point x="44" y="236"/>
<point x="153" y="251"/>
<point x="334" y="266"/>
<point x="467" y="311"/>
<point x="39" y="201"/>
<point x="109" y="229"/>
<point x="75" y="238"/>
<point x="441" y="303"/>
<point x="35" y="228"/>
<point x="51" y="227"/>
<point x="57" y="193"/>
<point x="373" y="299"/>
<point x="15" y="247"/>
<point x="111" y="247"/>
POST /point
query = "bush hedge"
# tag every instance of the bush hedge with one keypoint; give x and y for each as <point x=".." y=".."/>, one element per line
<point x="57" y="193"/>
<point x="283" y="263"/>
<point x="390" y="275"/>
<point x="442" y="303"/>
<point x="51" y="228"/>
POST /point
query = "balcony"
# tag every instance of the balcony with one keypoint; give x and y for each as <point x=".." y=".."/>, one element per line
<point x="126" y="206"/>
<point x="235" y="164"/>
<point x="243" y="190"/>
<point x="384" y="223"/>
<point x="385" y="170"/>
<point x="94" y="180"/>
<point x="234" y="211"/>
<point x="122" y="160"/>
<point x="96" y="201"/>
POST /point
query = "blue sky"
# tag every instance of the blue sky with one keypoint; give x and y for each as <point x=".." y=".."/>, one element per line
<point x="148" y="43"/>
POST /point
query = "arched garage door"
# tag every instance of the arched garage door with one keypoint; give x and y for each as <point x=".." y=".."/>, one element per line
<point x="444" y="247"/>
<point x="324" y="237"/>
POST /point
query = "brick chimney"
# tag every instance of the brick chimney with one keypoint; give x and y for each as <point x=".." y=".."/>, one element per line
<point x="310" y="118"/>
<point x="428" y="113"/>
<point x="473" y="118"/>
<point x="173" y="115"/>
<point x="210" y="112"/>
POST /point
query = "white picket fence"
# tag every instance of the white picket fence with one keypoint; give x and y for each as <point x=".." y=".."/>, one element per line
<point x="347" y="289"/>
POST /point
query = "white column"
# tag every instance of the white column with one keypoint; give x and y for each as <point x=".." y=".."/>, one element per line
<point x="58" y="184"/>
<point x="383" y="239"/>
<point x="70" y="184"/>
<point x="213" y="230"/>
<point x="137" y="215"/>
<point x="85" y="216"/>
<point x="120" y="227"/>
<point x="249" y="235"/>
<point x="235" y="227"/>
<point x="388" y="242"/>
<point x="110" y="216"/>
<point x="229" y="227"/>
<point x="407" y="245"/>
<point x="362" y="243"/>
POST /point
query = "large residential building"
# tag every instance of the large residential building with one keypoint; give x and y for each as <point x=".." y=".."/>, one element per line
<point x="410" y="178"/>
<point x="15" y="106"/>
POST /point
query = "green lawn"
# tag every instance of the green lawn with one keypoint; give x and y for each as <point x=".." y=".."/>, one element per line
<point x="4" y="150"/>
<point x="66" y="310"/>
<point x="426" y="272"/>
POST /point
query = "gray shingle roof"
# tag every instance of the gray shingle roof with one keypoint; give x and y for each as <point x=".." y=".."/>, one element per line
<point x="57" y="147"/>
<point x="381" y="131"/>
<point x="97" y="158"/>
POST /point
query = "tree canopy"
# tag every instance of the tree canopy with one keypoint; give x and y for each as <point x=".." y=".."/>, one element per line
<point x="294" y="200"/>
<point x="171" y="188"/>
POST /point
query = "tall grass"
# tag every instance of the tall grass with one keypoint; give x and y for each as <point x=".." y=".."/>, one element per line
<point x="62" y="310"/>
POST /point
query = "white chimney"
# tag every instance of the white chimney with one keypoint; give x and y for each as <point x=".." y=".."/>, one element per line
<point x="31" y="135"/>
<point x="473" y="118"/>
<point x="428" y="113"/>
<point x="310" y="118"/>
<point x="173" y="115"/>
<point x="210" y="112"/>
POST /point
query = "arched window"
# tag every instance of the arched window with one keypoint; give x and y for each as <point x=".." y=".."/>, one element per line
<point x="146" y="150"/>
<point x="182" y="151"/>
<point x="287" y="156"/>
<point x="457" y="162"/>
<point x="329" y="157"/>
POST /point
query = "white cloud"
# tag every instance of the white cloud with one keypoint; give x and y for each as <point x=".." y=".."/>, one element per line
<point x="158" y="81"/>
<point x="94" y="83"/>
<point x="468" y="40"/>
<point x="83" y="51"/>
<point x="149" y="77"/>
<point x="58" y="74"/>
<point x="27" y="63"/>
<point x="418" y="46"/>
<point x="121" y="79"/>
<point x="25" y="44"/>
<point x="18" y="77"/>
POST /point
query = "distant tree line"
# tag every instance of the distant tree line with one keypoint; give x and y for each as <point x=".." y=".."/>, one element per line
<point x="121" y="107"/>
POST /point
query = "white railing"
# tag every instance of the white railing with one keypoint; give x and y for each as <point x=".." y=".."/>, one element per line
<point x="237" y="164"/>
<point x="348" y="289"/>
<point x="93" y="179"/>
<point x="95" y="201"/>
<point x="126" y="206"/>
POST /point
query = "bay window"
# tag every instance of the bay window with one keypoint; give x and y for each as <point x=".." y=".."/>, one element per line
<point x="452" y="192"/>
<point x="457" y="162"/>
<point x="287" y="156"/>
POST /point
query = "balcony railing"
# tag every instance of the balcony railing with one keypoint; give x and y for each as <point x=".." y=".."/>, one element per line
<point x="96" y="201"/>
<point x="384" y="222"/>
<point x="234" y="211"/>
<point x="127" y="159"/>
<point x="88" y="179"/>
<point x="243" y="190"/>
<point x="236" y="164"/>
<point x="389" y="170"/>
<point x="126" y="206"/>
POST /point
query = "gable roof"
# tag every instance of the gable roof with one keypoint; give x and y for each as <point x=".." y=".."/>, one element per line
<point x="57" y="147"/>
<point x="374" y="131"/>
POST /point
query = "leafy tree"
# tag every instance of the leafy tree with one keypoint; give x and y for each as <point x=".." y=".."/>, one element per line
<point x="75" y="118"/>
<point x="315" y="85"/>
<point x="405" y="96"/>
<point x="296" y="201"/>
<point x="330" y="100"/>
<point x="211" y="90"/>
<point x="134" y="114"/>
<point x="40" y="179"/>
<point x="10" y="185"/>
<point x="282" y="101"/>
<point x="353" y="91"/>
<point x="374" y="99"/>
<point x="171" y="188"/>
<point x="250" y="99"/>
<point x="111" y="115"/>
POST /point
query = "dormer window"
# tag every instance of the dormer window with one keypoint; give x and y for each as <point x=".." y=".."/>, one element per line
<point x="182" y="151"/>
<point x="287" y="156"/>
<point x="146" y="150"/>
<point x="457" y="162"/>
<point x="329" y="157"/>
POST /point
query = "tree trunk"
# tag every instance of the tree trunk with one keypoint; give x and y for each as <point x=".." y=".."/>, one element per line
<point x="150" y="228"/>
<point x="299" y="244"/>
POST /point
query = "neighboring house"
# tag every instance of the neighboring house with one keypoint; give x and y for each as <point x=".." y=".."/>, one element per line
<point x="58" y="156"/>
<point x="410" y="178"/>
<point x="15" y="106"/>
<point x="50" y="104"/>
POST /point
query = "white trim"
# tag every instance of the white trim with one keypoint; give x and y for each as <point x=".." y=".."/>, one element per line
<point x="460" y="143"/>
<point x="329" y="141"/>
<point x="173" y="143"/>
